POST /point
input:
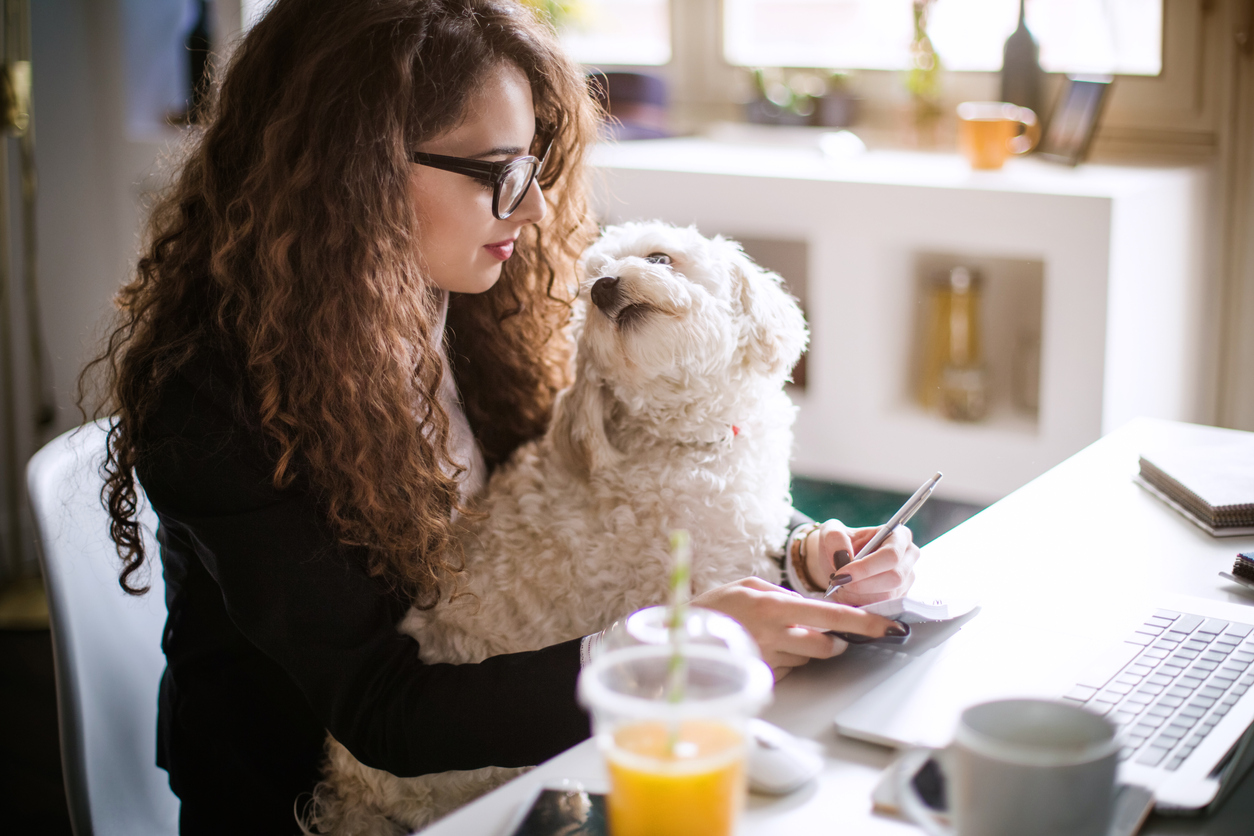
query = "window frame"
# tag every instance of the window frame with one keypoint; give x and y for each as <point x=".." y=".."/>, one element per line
<point x="1173" y="115"/>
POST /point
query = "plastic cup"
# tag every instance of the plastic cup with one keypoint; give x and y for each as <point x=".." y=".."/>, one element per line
<point x="677" y="768"/>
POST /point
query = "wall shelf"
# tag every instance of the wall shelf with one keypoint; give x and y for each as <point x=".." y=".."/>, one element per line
<point x="1120" y="293"/>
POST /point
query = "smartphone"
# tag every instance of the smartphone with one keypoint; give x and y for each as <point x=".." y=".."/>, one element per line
<point x="566" y="810"/>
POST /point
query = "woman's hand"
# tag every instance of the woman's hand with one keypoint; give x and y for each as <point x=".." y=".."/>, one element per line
<point x="791" y="629"/>
<point x="887" y="572"/>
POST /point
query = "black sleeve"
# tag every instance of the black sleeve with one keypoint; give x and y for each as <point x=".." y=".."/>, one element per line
<point x="304" y="600"/>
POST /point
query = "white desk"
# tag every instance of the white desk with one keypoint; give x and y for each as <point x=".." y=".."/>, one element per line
<point x="1046" y="547"/>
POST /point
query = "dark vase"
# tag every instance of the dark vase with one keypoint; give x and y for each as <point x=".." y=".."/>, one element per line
<point x="1021" y="68"/>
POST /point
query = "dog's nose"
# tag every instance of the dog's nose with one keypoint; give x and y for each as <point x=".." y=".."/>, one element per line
<point x="605" y="292"/>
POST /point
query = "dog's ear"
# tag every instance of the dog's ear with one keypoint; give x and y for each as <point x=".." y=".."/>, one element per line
<point x="578" y="429"/>
<point x="776" y="333"/>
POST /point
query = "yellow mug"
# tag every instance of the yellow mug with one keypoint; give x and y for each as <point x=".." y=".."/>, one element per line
<point x="989" y="132"/>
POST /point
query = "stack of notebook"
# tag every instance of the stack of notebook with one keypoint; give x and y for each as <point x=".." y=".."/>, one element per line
<point x="1211" y="481"/>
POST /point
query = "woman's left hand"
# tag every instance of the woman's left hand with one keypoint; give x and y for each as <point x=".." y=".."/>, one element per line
<point x="885" y="573"/>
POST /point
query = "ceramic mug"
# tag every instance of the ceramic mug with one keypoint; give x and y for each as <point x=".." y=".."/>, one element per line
<point x="989" y="132"/>
<point x="1027" y="767"/>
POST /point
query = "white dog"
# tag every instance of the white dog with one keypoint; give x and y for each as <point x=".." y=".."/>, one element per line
<point x="677" y="418"/>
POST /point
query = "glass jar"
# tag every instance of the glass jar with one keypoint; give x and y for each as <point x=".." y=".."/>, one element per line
<point x="953" y="379"/>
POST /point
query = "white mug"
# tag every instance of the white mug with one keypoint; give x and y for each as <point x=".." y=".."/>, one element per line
<point x="1024" y="767"/>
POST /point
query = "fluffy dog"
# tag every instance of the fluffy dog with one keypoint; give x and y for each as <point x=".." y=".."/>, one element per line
<point x="677" y="418"/>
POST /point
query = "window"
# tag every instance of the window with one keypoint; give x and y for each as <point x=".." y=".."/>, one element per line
<point x="1110" y="36"/>
<point x="1075" y="36"/>
<point x="866" y="34"/>
<point x="616" y="31"/>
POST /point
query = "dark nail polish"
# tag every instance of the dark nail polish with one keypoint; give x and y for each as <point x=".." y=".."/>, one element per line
<point x="853" y="638"/>
<point x="840" y="580"/>
<point x="897" y="633"/>
<point x="843" y="559"/>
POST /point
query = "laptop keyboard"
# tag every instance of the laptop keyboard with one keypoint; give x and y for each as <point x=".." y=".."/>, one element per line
<point x="1169" y="683"/>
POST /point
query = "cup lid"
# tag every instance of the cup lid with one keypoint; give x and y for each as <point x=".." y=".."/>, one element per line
<point x="701" y="626"/>
<point x="632" y="681"/>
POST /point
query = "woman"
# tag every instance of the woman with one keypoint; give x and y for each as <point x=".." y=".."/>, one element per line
<point x="306" y="424"/>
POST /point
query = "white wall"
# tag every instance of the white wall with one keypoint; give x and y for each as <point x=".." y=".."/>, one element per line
<point x="96" y="171"/>
<point x="93" y="178"/>
<point x="84" y="241"/>
<point x="80" y="234"/>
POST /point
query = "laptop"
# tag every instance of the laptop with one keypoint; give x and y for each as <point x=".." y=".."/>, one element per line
<point x="1175" y="677"/>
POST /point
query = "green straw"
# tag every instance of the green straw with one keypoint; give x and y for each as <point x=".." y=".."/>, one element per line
<point x="681" y="591"/>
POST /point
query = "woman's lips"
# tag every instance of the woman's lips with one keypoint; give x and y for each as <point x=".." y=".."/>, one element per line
<point x="501" y="250"/>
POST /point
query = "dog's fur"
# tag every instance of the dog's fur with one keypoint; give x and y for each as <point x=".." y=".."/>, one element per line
<point x="677" y="418"/>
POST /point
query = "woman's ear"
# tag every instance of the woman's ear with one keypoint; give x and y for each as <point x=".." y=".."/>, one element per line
<point x="578" y="429"/>
<point x="775" y="331"/>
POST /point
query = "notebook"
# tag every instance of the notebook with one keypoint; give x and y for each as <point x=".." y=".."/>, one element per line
<point x="1209" y="480"/>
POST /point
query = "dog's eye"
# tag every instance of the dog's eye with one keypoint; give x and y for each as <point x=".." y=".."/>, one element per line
<point x="658" y="258"/>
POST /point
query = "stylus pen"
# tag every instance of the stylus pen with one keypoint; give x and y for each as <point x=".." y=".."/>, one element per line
<point x="914" y="503"/>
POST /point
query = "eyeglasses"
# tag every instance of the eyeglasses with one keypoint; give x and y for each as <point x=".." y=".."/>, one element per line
<point x="510" y="180"/>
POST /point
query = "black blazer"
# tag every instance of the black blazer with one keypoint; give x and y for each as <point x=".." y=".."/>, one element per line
<point x="276" y="635"/>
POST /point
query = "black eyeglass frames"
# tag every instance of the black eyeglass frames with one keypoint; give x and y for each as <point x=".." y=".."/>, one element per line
<point x="510" y="180"/>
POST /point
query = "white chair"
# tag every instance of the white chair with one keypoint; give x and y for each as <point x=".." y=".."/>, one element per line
<point x="106" y="644"/>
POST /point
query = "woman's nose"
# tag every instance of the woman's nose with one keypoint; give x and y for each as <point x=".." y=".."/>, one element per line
<point x="533" y="207"/>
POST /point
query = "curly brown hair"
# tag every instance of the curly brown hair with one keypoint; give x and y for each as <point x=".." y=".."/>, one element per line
<point x="284" y="245"/>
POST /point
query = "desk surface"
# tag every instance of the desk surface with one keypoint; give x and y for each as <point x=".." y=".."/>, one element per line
<point x="747" y="158"/>
<point x="1082" y="538"/>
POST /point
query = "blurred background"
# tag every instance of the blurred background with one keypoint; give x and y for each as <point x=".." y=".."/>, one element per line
<point x="988" y="322"/>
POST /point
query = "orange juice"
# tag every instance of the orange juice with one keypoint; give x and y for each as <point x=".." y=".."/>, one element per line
<point x="695" y="788"/>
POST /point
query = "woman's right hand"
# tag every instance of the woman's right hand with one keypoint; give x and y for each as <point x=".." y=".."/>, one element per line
<point x="791" y="629"/>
